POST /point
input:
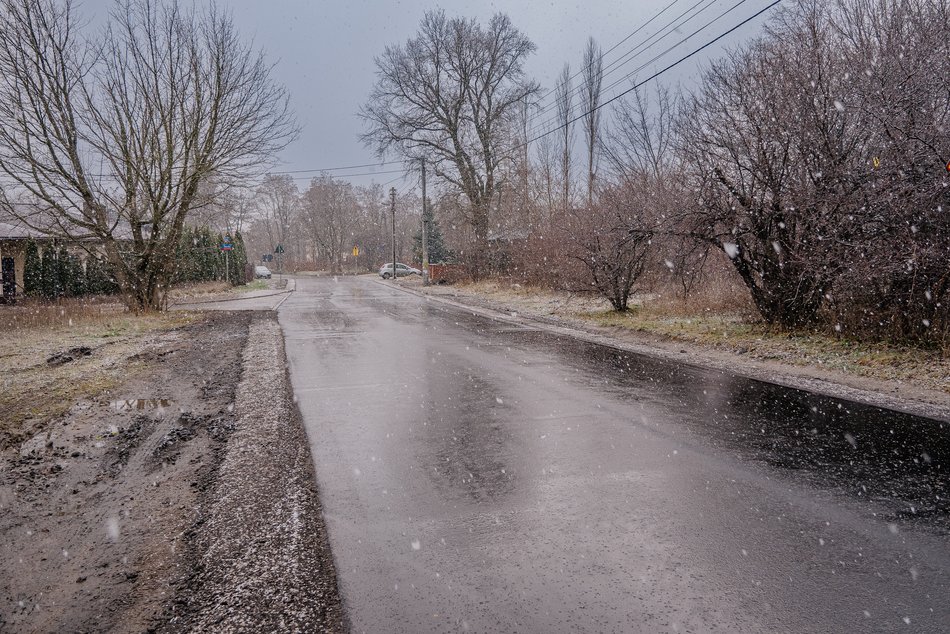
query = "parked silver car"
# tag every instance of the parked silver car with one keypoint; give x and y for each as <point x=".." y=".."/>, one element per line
<point x="386" y="270"/>
<point x="262" y="272"/>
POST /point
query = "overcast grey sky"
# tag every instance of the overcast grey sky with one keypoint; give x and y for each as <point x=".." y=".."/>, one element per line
<point x="324" y="52"/>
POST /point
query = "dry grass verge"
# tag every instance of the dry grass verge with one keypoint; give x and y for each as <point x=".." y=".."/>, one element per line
<point x="727" y="327"/>
<point x="105" y="339"/>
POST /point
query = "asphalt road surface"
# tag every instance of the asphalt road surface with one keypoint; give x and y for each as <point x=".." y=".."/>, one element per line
<point x="479" y="475"/>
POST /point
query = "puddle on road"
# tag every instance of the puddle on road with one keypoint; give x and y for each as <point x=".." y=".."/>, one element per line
<point x="140" y="404"/>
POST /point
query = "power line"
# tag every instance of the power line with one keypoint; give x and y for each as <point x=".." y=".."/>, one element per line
<point x="688" y="37"/>
<point x="632" y="54"/>
<point x="390" y="182"/>
<point x="656" y="74"/>
<point x="306" y="178"/>
<point x="336" y="169"/>
<point x="617" y="45"/>
<point x="407" y="187"/>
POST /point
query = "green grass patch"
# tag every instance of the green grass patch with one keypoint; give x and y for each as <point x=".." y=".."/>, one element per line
<point x="256" y="285"/>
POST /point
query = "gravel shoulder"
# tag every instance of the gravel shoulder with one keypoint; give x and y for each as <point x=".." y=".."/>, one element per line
<point x="925" y="397"/>
<point x="162" y="484"/>
<point x="263" y="562"/>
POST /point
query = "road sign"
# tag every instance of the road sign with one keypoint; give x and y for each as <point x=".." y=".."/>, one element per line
<point x="227" y="246"/>
<point x="279" y="249"/>
<point x="267" y="257"/>
<point x="356" y="252"/>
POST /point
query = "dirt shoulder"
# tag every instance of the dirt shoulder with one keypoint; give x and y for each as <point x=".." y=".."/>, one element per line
<point x="114" y="466"/>
<point x="905" y="379"/>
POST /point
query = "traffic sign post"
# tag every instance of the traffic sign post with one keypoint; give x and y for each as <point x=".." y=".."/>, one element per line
<point x="356" y="256"/>
<point x="226" y="246"/>
<point x="279" y="250"/>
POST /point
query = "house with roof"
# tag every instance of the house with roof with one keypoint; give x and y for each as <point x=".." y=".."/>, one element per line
<point x="14" y="237"/>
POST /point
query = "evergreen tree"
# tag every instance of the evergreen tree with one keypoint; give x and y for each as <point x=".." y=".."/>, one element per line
<point x="208" y="256"/>
<point x="437" y="249"/>
<point x="62" y="272"/>
<point x="181" y="256"/>
<point x="75" y="277"/>
<point x="220" y="273"/>
<point x="99" y="281"/>
<point x="94" y="276"/>
<point x="48" y="273"/>
<point x="239" y="259"/>
<point x="33" y="271"/>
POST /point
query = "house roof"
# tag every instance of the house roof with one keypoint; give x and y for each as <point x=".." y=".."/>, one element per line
<point x="12" y="227"/>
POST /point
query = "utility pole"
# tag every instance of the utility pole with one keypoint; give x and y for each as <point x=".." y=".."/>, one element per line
<point x="392" y="205"/>
<point x="425" y="229"/>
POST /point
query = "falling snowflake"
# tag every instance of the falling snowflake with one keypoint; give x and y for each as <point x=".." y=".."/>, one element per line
<point x="112" y="528"/>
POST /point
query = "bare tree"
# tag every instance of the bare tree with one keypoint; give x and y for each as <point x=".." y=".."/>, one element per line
<point x="640" y="151"/>
<point x="643" y="137"/>
<point x="593" y="78"/>
<point x="226" y="208"/>
<point x="546" y="178"/>
<point x="277" y="204"/>
<point x="112" y="141"/>
<point x="451" y="95"/>
<point x="331" y="213"/>
<point x="897" y="282"/>
<point x="564" y="99"/>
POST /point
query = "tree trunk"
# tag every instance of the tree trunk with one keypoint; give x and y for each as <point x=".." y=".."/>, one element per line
<point x="480" y="259"/>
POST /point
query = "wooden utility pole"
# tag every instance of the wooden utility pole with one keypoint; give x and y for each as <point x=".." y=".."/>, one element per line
<point x="425" y="229"/>
<point x="392" y="205"/>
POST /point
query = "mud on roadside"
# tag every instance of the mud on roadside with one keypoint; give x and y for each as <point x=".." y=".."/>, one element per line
<point x="107" y="512"/>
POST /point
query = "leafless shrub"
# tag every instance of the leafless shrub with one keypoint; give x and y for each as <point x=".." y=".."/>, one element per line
<point x="612" y="239"/>
<point x="818" y="155"/>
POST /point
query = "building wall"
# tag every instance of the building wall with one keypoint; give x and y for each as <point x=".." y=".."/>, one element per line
<point x="17" y="250"/>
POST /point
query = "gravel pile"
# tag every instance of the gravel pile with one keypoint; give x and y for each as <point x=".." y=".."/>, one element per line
<point x="265" y="564"/>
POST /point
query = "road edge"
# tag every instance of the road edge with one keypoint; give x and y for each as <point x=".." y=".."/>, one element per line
<point x="813" y="385"/>
<point x="262" y="556"/>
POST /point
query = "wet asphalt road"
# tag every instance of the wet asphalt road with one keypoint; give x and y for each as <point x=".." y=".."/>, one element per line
<point x="482" y="476"/>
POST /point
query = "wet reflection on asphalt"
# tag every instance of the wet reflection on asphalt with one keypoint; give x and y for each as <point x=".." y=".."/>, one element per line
<point x="477" y="475"/>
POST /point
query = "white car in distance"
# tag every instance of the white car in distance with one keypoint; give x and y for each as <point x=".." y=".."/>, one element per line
<point x="386" y="270"/>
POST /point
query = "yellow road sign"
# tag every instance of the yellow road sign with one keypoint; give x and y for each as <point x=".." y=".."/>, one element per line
<point x="356" y="252"/>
